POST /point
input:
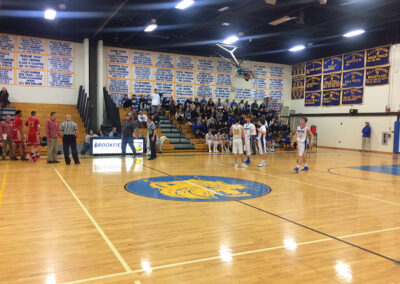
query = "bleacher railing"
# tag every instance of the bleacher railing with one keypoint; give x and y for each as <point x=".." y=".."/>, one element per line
<point x="84" y="106"/>
<point x="112" y="111"/>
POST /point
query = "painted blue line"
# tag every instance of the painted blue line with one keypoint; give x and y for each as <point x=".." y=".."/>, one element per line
<point x="385" y="169"/>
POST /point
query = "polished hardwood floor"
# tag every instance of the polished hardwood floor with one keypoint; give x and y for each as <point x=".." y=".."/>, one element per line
<point x="77" y="223"/>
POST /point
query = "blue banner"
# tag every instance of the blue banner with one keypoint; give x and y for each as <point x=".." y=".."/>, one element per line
<point x="331" y="98"/>
<point x="352" y="96"/>
<point x="298" y="82"/>
<point x="353" y="79"/>
<point x="332" y="81"/>
<point x="313" y="83"/>
<point x="354" y="60"/>
<point x="333" y="64"/>
<point x="378" y="56"/>
<point x="313" y="99"/>
<point x="298" y="69"/>
<point x="314" y="67"/>
<point x="377" y="76"/>
<point x="298" y="94"/>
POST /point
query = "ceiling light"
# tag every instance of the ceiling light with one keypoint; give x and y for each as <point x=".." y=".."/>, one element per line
<point x="281" y="20"/>
<point x="184" y="4"/>
<point x="270" y="2"/>
<point x="50" y="14"/>
<point x="297" y="48"/>
<point x="151" y="26"/>
<point x="223" y="9"/>
<point x="230" y="40"/>
<point x="354" y="33"/>
<point x="225" y="24"/>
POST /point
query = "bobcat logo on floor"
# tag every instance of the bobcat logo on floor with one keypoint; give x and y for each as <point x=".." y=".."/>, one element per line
<point x="197" y="188"/>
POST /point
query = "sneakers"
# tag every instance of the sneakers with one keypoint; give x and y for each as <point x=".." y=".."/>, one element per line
<point x="209" y="151"/>
<point x="261" y="164"/>
<point x="236" y="165"/>
<point x="305" y="169"/>
<point x="296" y="169"/>
<point x="244" y="165"/>
<point x="29" y="156"/>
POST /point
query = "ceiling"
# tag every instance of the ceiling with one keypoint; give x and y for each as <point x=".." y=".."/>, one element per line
<point x="197" y="29"/>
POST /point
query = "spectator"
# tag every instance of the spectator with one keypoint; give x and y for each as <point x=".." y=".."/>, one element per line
<point x="217" y="142"/>
<point x="179" y="115"/>
<point x="126" y="102"/>
<point x="366" y="137"/>
<point x="172" y="107"/>
<point x="86" y="144"/>
<point x="219" y="103"/>
<point x="128" y="134"/>
<point x="155" y="101"/>
<point x="134" y="102"/>
<point x="270" y="142"/>
<point x="226" y="103"/>
<point x="286" y="141"/>
<point x="114" y="132"/>
<point x="203" y="101"/>
<point x="100" y="133"/>
<point x="142" y="118"/>
<point x="4" y="97"/>
<point x="188" y="116"/>
<point x="70" y="132"/>
<point x="254" y="108"/>
<point x="52" y="133"/>
<point x="142" y="103"/>
<point x="211" y="103"/>
<point x="209" y="140"/>
<point x="198" y="128"/>
<point x="7" y="137"/>
<point x="234" y="105"/>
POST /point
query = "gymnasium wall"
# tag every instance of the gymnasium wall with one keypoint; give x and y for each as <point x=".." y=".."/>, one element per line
<point x="39" y="70"/>
<point x="345" y="131"/>
<point x="128" y="71"/>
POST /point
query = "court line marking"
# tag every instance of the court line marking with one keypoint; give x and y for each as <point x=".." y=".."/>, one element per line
<point x="325" y="187"/>
<point x="3" y="183"/>
<point x="138" y="282"/>
<point x="205" y="259"/>
<point x="96" y="225"/>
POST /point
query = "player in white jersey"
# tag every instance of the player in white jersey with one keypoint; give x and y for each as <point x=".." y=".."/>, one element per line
<point x="302" y="133"/>
<point x="249" y="132"/>
<point x="237" y="133"/>
<point x="262" y="144"/>
<point x="217" y="141"/>
<point x="209" y="140"/>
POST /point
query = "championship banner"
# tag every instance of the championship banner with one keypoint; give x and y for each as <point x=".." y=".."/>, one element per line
<point x="313" y="83"/>
<point x="333" y="64"/>
<point x="378" y="56"/>
<point x="353" y="79"/>
<point x="331" y="98"/>
<point x="312" y="99"/>
<point x="298" y="82"/>
<point x="352" y="96"/>
<point x="354" y="60"/>
<point x="332" y="81"/>
<point x="377" y="76"/>
<point x="298" y="69"/>
<point x="314" y="67"/>
<point x="297" y="94"/>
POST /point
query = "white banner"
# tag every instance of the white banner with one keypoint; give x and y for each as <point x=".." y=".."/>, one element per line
<point x="7" y="42"/>
<point x="7" y="59"/>
<point x="62" y="80"/>
<point x="184" y="76"/>
<point x="61" y="48"/>
<point x="60" y="64"/>
<point x="276" y="95"/>
<point x="184" y="62"/>
<point x="31" y="61"/>
<point x="142" y="58"/>
<point x="142" y="73"/>
<point x="260" y="70"/>
<point x="222" y="92"/>
<point x="224" y="79"/>
<point x="205" y="78"/>
<point x="31" y="45"/>
<point x="204" y="91"/>
<point x="259" y="94"/>
<point x="276" y="72"/>
<point x="184" y="90"/>
<point x="164" y="75"/>
<point x="6" y="76"/>
<point x="259" y="83"/>
<point x="30" y="78"/>
<point x="118" y="86"/>
<point x="165" y="88"/>
<point x="276" y="84"/>
<point x="165" y="60"/>
<point x="117" y="55"/>
<point x="113" y="146"/>
<point x="142" y="87"/>
<point x="243" y="94"/>
<point x="205" y="64"/>
<point x="118" y="71"/>
<point x="223" y="66"/>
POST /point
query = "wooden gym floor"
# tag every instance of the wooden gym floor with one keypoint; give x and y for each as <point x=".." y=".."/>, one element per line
<point x="77" y="223"/>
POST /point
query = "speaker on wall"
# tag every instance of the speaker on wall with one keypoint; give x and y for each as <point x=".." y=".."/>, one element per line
<point x="354" y="111"/>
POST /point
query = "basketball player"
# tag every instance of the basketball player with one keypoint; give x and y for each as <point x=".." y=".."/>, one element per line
<point x="303" y="131"/>
<point x="249" y="132"/>
<point x="33" y="136"/>
<point x="225" y="142"/>
<point x="237" y="133"/>
<point x="217" y="141"/>
<point x="19" y="137"/>
<point x="262" y="144"/>
<point x="209" y="140"/>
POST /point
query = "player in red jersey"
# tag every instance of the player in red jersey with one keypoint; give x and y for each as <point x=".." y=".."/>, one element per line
<point x="19" y="137"/>
<point x="33" y="136"/>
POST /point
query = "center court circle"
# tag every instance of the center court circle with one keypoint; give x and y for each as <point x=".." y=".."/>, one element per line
<point x="197" y="188"/>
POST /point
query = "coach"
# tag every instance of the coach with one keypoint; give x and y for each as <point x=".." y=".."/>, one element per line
<point x="128" y="133"/>
<point x="52" y="134"/>
<point x="70" y="131"/>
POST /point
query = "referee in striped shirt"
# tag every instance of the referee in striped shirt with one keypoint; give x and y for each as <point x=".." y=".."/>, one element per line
<point x="70" y="132"/>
